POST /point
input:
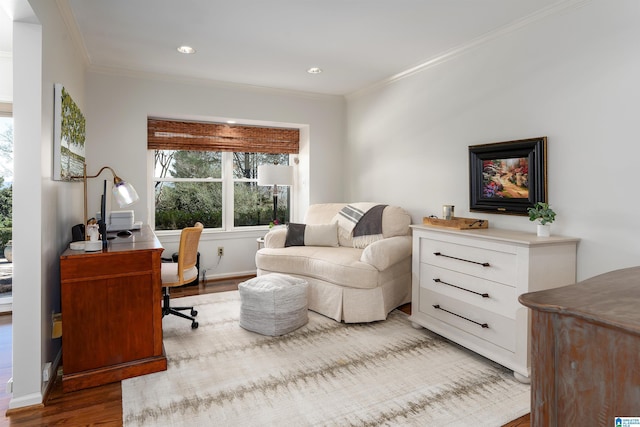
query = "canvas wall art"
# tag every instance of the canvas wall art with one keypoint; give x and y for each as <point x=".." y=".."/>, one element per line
<point x="68" y="136"/>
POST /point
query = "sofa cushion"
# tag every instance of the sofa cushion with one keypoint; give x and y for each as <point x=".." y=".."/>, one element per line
<point x="312" y="235"/>
<point x="322" y="213"/>
<point x="321" y="234"/>
<point x="338" y="265"/>
<point x="395" y="220"/>
<point x="295" y="235"/>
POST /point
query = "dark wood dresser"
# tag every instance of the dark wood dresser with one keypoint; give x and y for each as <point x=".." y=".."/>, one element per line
<point x="585" y="351"/>
<point x="112" y="312"/>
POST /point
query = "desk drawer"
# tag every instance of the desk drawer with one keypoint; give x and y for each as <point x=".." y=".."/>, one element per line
<point x="105" y="264"/>
<point x="484" y="324"/>
<point x="487" y="295"/>
<point x="494" y="265"/>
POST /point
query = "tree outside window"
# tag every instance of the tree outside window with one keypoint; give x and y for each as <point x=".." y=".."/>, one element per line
<point x="190" y="186"/>
<point x="253" y="204"/>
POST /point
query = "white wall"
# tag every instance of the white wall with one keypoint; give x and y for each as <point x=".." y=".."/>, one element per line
<point x="27" y="343"/>
<point x="43" y="208"/>
<point x="6" y="76"/>
<point x="117" y="111"/>
<point x="572" y="77"/>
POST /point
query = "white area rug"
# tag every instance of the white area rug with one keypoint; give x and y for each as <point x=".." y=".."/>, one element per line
<point x="323" y="374"/>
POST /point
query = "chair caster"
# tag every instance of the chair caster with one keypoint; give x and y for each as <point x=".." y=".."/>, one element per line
<point x="194" y="313"/>
<point x="194" y="325"/>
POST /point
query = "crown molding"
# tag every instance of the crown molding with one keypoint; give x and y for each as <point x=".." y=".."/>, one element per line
<point x="72" y="26"/>
<point x="462" y="49"/>
<point x="141" y="74"/>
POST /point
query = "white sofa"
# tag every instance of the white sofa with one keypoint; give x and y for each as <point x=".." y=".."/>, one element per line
<point x="345" y="283"/>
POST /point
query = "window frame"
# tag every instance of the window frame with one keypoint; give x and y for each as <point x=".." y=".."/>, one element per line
<point x="228" y="203"/>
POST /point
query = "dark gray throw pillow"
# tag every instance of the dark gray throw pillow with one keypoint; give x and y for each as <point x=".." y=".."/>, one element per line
<point x="295" y="235"/>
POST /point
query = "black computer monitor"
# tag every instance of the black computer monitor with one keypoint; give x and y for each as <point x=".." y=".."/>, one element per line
<point x="102" y="223"/>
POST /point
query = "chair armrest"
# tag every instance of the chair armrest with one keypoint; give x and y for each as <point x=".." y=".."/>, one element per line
<point x="386" y="252"/>
<point x="275" y="238"/>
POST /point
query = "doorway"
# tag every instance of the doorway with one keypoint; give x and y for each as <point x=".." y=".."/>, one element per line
<point x="6" y="208"/>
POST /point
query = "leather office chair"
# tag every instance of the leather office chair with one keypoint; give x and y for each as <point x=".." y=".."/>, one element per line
<point x="182" y="272"/>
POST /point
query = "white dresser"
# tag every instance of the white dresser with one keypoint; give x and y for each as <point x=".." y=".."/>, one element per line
<point x="466" y="285"/>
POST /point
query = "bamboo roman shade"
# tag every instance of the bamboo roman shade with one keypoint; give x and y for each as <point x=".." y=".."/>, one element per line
<point x="163" y="134"/>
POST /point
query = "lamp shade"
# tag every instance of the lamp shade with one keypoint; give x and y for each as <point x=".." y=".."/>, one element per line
<point x="124" y="193"/>
<point x="275" y="175"/>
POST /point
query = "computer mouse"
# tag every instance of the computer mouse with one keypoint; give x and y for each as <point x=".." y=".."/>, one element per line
<point x="124" y="233"/>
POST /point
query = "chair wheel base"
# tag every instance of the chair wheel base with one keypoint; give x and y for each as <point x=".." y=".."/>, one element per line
<point x="194" y="325"/>
<point x="194" y="313"/>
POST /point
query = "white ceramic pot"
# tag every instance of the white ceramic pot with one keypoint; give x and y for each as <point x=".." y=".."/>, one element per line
<point x="544" y="230"/>
<point x="8" y="251"/>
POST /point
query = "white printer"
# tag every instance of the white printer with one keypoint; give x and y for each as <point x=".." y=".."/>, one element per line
<point x="122" y="220"/>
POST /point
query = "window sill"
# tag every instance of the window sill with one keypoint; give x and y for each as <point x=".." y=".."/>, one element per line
<point x="212" y="235"/>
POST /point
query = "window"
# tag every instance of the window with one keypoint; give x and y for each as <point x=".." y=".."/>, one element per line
<point x="253" y="204"/>
<point x="211" y="183"/>
<point x="6" y="178"/>
<point x="188" y="188"/>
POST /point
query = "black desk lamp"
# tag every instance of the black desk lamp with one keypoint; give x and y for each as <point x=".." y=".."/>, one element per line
<point x="275" y="175"/>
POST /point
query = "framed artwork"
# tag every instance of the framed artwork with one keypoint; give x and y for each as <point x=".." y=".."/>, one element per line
<point x="68" y="136"/>
<point x="508" y="177"/>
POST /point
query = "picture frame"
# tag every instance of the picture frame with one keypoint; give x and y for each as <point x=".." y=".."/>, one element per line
<point x="508" y="177"/>
<point x="69" y="134"/>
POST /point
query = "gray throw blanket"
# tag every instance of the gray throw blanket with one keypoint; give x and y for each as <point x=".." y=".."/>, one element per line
<point x="363" y="222"/>
<point x="370" y="223"/>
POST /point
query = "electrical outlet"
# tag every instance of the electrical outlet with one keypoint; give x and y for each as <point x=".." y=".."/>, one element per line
<point x="46" y="372"/>
<point x="220" y="250"/>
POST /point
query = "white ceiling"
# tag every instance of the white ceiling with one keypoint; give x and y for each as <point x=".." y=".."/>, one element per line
<point x="272" y="43"/>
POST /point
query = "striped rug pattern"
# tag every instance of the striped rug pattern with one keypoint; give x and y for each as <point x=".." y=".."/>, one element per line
<point x="323" y="374"/>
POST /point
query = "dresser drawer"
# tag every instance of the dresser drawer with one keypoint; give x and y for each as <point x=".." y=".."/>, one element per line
<point x="487" y="295"/>
<point x="498" y="330"/>
<point x="495" y="265"/>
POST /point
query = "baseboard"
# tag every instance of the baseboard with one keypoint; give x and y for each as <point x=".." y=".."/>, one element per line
<point x="6" y="304"/>
<point x="48" y="386"/>
<point x="29" y="401"/>
<point x="235" y="275"/>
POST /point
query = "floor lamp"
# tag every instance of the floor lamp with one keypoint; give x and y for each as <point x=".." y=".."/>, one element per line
<point x="123" y="192"/>
<point x="275" y="175"/>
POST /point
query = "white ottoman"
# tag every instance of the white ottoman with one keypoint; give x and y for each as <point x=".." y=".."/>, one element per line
<point x="273" y="304"/>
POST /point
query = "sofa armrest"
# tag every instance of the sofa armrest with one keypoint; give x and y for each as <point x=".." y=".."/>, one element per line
<point x="275" y="238"/>
<point x="386" y="252"/>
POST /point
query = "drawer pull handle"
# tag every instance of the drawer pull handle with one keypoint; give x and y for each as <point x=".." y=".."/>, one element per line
<point x="484" y="264"/>
<point x="484" y="295"/>
<point x="483" y="325"/>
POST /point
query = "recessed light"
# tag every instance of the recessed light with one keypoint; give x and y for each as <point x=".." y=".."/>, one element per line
<point x="186" y="49"/>
<point x="314" y="70"/>
<point x="231" y="122"/>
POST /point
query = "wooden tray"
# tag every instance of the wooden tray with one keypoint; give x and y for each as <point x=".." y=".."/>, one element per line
<point x="458" y="223"/>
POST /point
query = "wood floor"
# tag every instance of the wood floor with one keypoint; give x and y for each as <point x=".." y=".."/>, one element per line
<point x="98" y="406"/>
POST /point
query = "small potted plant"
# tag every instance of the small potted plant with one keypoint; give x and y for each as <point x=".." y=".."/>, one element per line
<point x="273" y="223"/>
<point x="544" y="215"/>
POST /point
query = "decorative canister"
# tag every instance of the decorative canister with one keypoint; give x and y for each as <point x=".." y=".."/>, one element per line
<point x="447" y="212"/>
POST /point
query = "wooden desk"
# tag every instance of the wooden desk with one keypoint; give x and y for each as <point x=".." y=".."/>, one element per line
<point x="111" y="312"/>
<point x="585" y="342"/>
